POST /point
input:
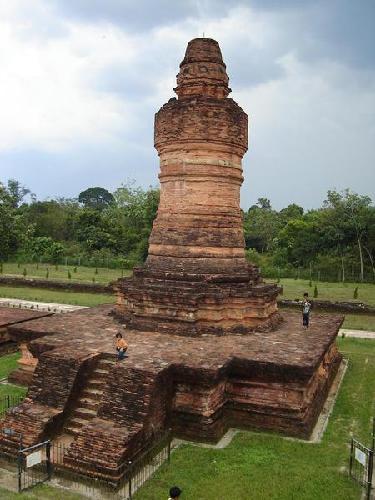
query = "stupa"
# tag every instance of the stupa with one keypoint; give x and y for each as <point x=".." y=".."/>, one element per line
<point x="196" y="279"/>
<point x="207" y="347"/>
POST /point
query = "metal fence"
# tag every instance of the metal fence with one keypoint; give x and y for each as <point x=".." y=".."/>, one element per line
<point x="9" y="401"/>
<point x="34" y="465"/>
<point x="133" y="473"/>
<point x="361" y="465"/>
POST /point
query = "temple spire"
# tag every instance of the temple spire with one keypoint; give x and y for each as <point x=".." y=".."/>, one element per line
<point x="202" y="71"/>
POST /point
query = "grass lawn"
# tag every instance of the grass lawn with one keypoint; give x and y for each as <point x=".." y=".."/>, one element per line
<point x="258" y="465"/>
<point x="41" y="492"/>
<point x="57" y="296"/>
<point x="359" y="322"/>
<point x="82" y="274"/>
<point x="8" y="363"/>
<point x="294" y="289"/>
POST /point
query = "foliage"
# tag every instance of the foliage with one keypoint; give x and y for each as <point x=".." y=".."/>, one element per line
<point x="96" y="198"/>
<point x="14" y="229"/>
<point x="335" y="241"/>
<point x="43" y="247"/>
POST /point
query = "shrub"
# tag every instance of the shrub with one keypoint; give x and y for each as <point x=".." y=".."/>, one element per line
<point x="315" y="292"/>
<point x="24" y="272"/>
<point x="96" y="270"/>
<point x="69" y="275"/>
<point x="355" y="294"/>
<point x="47" y="273"/>
<point x="93" y="279"/>
<point x="74" y="270"/>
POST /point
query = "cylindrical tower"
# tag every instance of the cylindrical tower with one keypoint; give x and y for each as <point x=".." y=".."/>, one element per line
<point x="201" y="138"/>
<point x="196" y="249"/>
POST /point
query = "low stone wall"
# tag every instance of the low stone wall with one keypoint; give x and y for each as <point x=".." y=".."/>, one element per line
<point x="55" y="285"/>
<point x="327" y="305"/>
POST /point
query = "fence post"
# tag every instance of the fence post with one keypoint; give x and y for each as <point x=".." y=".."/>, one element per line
<point x="48" y="456"/>
<point x="19" y="464"/>
<point x="351" y="458"/>
<point x="130" y="481"/>
<point x="369" y="473"/>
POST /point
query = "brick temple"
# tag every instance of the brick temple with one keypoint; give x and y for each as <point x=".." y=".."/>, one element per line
<point x="196" y="279"/>
<point x="208" y="349"/>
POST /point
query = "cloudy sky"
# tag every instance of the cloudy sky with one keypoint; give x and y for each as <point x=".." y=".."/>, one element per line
<point x="80" y="81"/>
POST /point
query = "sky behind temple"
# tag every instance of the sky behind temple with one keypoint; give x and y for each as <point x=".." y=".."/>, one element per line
<point x="80" y="81"/>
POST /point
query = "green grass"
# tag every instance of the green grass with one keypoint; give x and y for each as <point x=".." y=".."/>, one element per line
<point x="83" y="274"/>
<point x="294" y="289"/>
<point x="8" y="363"/>
<point x="260" y="465"/>
<point x="57" y="296"/>
<point x="41" y="492"/>
<point x="359" y="322"/>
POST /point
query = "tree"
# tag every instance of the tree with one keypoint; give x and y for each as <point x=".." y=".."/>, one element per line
<point x="13" y="226"/>
<point x="292" y="211"/>
<point x="45" y="247"/>
<point x="261" y="226"/>
<point x="17" y="192"/>
<point x="264" y="203"/>
<point x="352" y="213"/>
<point x="96" y="198"/>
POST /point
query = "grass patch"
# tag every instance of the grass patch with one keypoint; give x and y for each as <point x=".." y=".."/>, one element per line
<point x="8" y="363"/>
<point x="78" y="274"/>
<point x="41" y="492"/>
<point x="260" y="465"/>
<point x="60" y="297"/>
<point x="294" y="289"/>
<point x="359" y="322"/>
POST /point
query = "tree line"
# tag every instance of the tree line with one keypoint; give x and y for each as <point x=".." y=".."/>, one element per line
<point x="338" y="238"/>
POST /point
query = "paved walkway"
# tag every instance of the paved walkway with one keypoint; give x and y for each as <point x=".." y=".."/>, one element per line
<point x="359" y="334"/>
<point x="39" y="306"/>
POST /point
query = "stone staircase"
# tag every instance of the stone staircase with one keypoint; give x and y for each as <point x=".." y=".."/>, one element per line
<point x="89" y="398"/>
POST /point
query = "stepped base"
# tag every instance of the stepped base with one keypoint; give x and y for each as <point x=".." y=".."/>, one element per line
<point x="275" y="380"/>
<point x="188" y="304"/>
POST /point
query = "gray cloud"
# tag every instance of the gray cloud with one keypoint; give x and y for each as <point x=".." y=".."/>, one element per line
<point x="303" y="70"/>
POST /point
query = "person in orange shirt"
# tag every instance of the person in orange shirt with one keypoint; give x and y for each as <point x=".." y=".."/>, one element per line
<point x="121" y="346"/>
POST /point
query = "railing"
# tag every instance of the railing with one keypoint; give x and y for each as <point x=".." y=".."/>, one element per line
<point x="134" y="474"/>
<point x="9" y="401"/>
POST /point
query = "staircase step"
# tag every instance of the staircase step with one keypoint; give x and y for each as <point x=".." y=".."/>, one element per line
<point x="89" y="403"/>
<point x="76" y="421"/>
<point x="71" y="430"/>
<point x="93" y="383"/>
<point x="93" y="394"/>
<point x="105" y="364"/>
<point x="101" y="372"/>
<point x="83" y="413"/>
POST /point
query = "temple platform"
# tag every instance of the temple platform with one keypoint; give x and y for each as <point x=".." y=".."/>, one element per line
<point x="197" y="386"/>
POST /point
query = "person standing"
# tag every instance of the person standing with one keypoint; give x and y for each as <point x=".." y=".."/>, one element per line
<point x="306" y="308"/>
